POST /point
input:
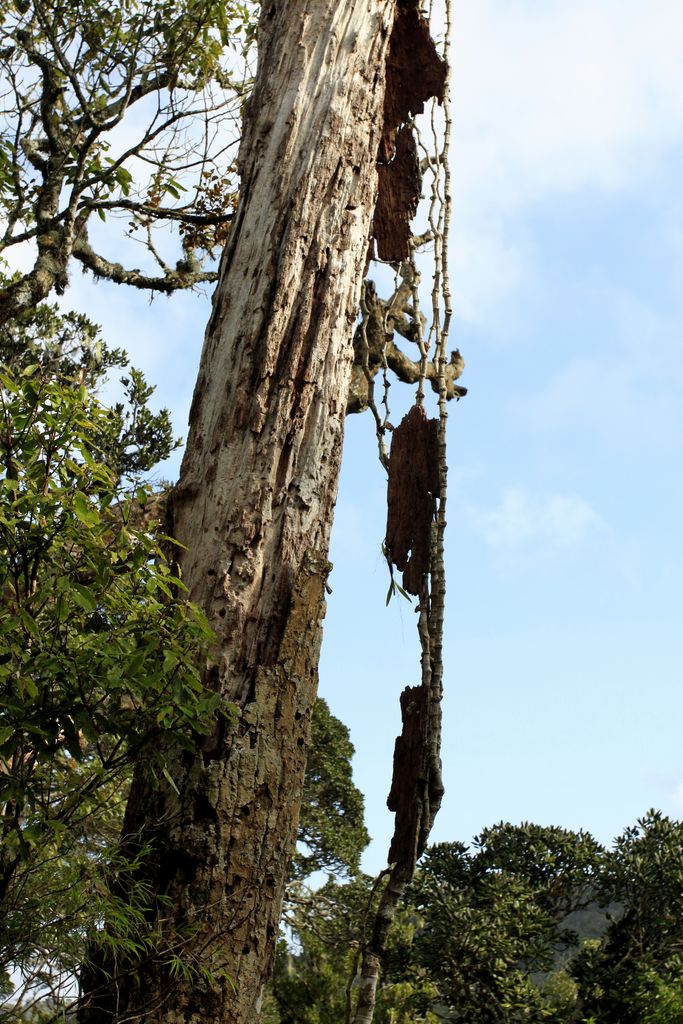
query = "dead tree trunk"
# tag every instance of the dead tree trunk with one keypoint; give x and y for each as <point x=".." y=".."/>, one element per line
<point x="254" y="506"/>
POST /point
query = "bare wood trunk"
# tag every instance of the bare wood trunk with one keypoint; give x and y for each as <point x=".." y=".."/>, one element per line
<point x="254" y="506"/>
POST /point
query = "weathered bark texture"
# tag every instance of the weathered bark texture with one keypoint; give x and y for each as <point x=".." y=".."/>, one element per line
<point x="399" y="192"/>
<point x="254" y="506"/>
<point x="416" y="785"/>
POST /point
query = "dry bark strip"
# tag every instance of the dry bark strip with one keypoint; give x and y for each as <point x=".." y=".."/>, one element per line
<point x="254" y="508"/>
<point x="397" y="199"/>
<point x="416" y="786"/>
<point x="412" y="490"/>
<point x="415" y="796"/>
<point x="414" y="487"/>
<point x="415" y="73"/>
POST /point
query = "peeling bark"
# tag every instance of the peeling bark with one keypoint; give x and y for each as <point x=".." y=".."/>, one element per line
<point x="411" y="496"/>
<point x="415" y="73"/>
<point x="254" y="506"/>
<point x="416" y="785"/>
<point x="397" y="198"/>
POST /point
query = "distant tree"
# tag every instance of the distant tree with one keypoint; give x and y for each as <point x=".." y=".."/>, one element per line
<point x="117" y="110"/>
<point x="475" y="940"/>
<point x="498" y="914"/>
<point x="312" y="983"/>
<point x="637" y="970"/>
<point x="482" y="935"/>
<point x="331" y="825"/>
<point x="560" y="867"/>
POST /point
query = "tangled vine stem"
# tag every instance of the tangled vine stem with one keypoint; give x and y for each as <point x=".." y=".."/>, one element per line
<point x="417" y="787"/>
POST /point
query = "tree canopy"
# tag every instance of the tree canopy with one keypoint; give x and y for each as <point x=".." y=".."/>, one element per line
<point x="99" y="665"/>
<point x="530" y="923"/>
<point x="126" y="110"/>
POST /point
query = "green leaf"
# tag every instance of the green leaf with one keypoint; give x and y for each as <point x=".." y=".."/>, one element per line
<point x="85" y="510"/>
<point x="29" y="623"/>
<point x="87" y="457"/>
<point x="169" y="779"/>
<point x="84" y="597"/>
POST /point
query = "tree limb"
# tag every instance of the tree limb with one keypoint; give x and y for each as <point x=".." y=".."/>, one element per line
<point x="175" y="280"/>
<point x="374" y="347"/>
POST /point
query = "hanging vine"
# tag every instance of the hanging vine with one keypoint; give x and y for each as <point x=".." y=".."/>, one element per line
<point x="416" y="463"/>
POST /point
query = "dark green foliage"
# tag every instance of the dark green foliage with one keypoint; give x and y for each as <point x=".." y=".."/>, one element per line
<point x="331" y="824"/>
<point x="313" y="983"/>
<point x="98" y="663"/>
<point x="482" y="936"/>
<point x="477" y="932"/>
<point x="661" y="1000"/>
<point x="310" y="987"/>
<point x="316" y="978"/>
<point x="560" y="867"/>
<point x="491" y="917"/>
<point x="637" y="971"/>
<point x="132" y="439"/>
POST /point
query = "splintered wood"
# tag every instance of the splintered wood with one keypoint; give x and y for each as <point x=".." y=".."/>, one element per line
<point x="415" y="73"/>
<point x="411" y="496"/>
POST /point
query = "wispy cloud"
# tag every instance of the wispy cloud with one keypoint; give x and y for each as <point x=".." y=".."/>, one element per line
<point x="626" y="392"/>
<point x="552" y="99"/>
<point x="523" y="520"/>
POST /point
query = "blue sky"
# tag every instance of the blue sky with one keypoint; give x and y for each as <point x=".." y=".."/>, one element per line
<point x="563" y="649"/>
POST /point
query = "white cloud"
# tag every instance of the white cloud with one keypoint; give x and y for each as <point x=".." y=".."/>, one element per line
<point x="522" y="519"/>
<point x="552" y="98"/>
<point x="563" y="93"/>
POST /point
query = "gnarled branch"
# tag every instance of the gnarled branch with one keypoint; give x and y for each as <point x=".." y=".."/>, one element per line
<point x="374" y="345"/>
